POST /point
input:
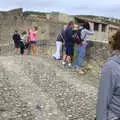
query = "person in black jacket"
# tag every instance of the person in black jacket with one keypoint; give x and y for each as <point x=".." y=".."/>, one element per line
<point x="16" y="38"/>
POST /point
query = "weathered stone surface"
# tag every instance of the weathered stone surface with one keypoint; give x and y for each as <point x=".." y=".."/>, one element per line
<point x="35" y="88"/>
<point x="38" y="88"/>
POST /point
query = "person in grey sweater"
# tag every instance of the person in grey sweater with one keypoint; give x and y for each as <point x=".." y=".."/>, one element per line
<point x="108" y="104"/>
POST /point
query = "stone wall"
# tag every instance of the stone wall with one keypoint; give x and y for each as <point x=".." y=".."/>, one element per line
<point x="99" y="35"/>
<point x="8" y="23"/>
<point x="49" y="24"/>
<point x="97" y="51"/>
<point x="6" y="49"/>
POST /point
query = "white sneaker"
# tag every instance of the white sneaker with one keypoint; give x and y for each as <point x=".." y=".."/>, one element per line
<point x="63" y="63"/>
<point x="69" y="65"/>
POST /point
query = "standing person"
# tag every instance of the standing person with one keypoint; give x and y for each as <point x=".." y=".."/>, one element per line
<point x="108" y="104"/>
<point x="33" y="40"/>
<point x="75" y="33"/>
<point x="16" y="38"/>
<point x="59" y="43"/>
<point x="83" y="32"/>
<point x="24" y="43"/>
<point x="69" y="44"/>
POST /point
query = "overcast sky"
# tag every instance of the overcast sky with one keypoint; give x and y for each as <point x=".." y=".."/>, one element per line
<point x="110" y="8"/>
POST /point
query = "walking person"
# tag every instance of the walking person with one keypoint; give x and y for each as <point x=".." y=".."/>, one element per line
<point x="33" y="40"/>
<point x="108" y="104"/>
<point x="16" y="38"/>
<point x="83" y="32"/>
<point x="59" y="44"/>
<point x="69" y="45"/>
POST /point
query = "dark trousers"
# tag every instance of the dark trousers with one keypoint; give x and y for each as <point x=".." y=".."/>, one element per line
<point x="22" y="47"/>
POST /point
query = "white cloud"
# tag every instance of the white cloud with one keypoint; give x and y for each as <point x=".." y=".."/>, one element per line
<point x="103" y="7"/>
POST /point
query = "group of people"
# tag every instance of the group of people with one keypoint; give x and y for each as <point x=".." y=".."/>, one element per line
<point x="108" y="103"/>
<point x="25" y="40"/>
<point x="74" y="38"/>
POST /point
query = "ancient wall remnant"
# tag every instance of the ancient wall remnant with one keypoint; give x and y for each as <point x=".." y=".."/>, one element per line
<point x="9" y="21"/>
<point x="102" y="28"/>
<point x="49" y="24"/>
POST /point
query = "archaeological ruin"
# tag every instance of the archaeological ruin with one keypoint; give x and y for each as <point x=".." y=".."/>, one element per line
<point x="38" y="88"/>
<point x="50" y="24"/>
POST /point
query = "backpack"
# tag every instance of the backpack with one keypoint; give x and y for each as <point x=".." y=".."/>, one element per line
<point x="77" y="36"/>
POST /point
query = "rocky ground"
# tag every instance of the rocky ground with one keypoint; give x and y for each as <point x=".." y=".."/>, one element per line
<point x="38" y="88"/>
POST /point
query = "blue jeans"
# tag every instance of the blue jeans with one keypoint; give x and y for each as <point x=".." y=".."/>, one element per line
<point x="80" y="55"/>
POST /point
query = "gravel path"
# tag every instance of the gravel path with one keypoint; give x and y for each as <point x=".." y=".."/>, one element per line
<point x="44" y="90"/>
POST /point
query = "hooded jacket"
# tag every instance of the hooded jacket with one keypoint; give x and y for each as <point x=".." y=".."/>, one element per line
<point x="68" y="35"/>
<point x="61" y="36"/>
<point x="108" y="105"/>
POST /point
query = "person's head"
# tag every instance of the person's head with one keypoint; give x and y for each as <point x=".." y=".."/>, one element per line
<point x="35" y="28"/>
<point x="86" y="25"/>
<point x="71" y="24"/>
<point x="114" y="41"/>
<point x="15" y="32"/>
<point x="24" y="33"/>
<point x="75" y="27"/>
